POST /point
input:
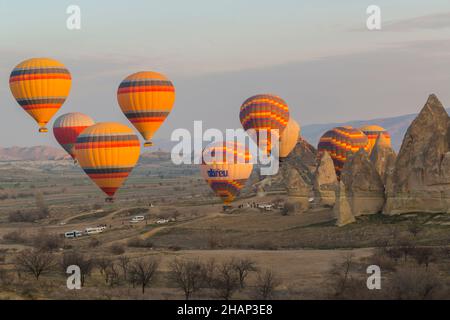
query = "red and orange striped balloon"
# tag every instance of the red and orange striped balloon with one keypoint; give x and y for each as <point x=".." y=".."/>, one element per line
<point x="146" y="98"/>
<point x="340" y="143"/>
<point x="108" y="152"/>
<point x="40" y="86"/>
<point x="68" y="127"/>
<point x="226" y="166"/>
<point x="264" y="112"/>
<point x="373" y="132"/>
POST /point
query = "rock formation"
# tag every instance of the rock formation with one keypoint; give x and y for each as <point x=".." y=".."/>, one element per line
<point x="298" y="190"/>
<point x="325" y="181"/>
<point x="342" y="209"/>
<point x="383" y="157"/>
<point x="364" y="187"/>
<point x="302" y="158"/>
<point x="420" y="181"/>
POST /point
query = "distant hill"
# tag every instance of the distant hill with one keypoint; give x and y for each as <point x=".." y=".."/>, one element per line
<point x="396" y="126"/>
<point x="36" y="153"/>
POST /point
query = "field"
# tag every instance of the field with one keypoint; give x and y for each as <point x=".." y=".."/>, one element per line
<point x="306" y="253"/>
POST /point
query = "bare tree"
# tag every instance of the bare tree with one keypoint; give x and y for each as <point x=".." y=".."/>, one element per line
<point x="225" y="280"/>
<point x="124" y="263"/>
<point x="41" y="205"/>
<point x="84" y="263"/>
<point x="6" y="278"/>
<point x="424" y="256"/>
<point x="47" y="241"/>
<point x="208" y="270"/>
<point x="266" y="284"/>
<point x="406" y="247"/>
<point x="340" y="275"/>
<point x="243" y="267"/>
<point x="414" y="283"/>
<point x="103" y="264"/>
<point x="112" y="274"/>
<point x="143" y="271"/>
<point x="35" y="262"/>
<point x="187" y="275"/>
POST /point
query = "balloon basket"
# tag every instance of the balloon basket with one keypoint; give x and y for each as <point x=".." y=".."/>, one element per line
<point x="109" y="200"/>
<point x="43" y="130"/>
<point x="148" y="144"/>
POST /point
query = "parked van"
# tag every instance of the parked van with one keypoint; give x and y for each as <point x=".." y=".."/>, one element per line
<point x="162" y="221"/>
<point x="73" y="234"/>
<point x="136" y="219"/>
<point x="95" y="230"/>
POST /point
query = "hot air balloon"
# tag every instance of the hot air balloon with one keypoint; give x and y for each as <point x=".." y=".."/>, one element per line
<point x="226" y="167"/>
<point x="289" y="138"/>
<point x="264" y="112"/>
<point x="107" y="152"/>
<point x="67" y="128"/>
<point x="340" y="143"/>
<point x="372" y="132"/>
<point x="146" y="99"/>
<point x="40" y="86"/>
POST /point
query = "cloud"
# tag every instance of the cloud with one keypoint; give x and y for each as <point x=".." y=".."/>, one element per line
<point x="425" y="22"/>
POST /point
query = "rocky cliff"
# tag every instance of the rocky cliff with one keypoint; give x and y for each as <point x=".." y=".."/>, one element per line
<point x="363" y="185"/>
<point x="420" y="181"/>
<point x="325" y="181"/>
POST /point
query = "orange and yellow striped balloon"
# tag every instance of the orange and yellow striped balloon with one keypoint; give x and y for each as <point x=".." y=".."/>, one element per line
<point x="226" y="167"/>
<point x="108" y="152"/>
<point x="40" y="86"/>
<point x="340" y="143"/>
<point x="289" y="138"/>
<point x="264" y="112"/>
<point x="373" y="132"/>
<point x="146" y="98"/>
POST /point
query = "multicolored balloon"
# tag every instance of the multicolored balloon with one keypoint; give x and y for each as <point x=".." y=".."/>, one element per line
<point x="289" y="138"/>
<point x="68" y="127"/>
<point x="226" y="166"/>
<point x="146" y="98"/>
<point x="264" y="112"/>
<point x="40" y="86"/>
<point x="340" y="143"/>
<point x="373" y="132"/>
<point x="108" y="152"/>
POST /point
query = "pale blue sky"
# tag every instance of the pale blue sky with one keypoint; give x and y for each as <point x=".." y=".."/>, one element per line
<point x="316" y="54"/>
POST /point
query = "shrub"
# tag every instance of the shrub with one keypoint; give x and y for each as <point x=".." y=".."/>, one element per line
<point x="140" y="243"/>
<point x="117" y="249"/>
<point x="15" y="237"/>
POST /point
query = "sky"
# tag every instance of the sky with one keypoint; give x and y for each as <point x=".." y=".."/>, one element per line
<point x="317" y="55"/>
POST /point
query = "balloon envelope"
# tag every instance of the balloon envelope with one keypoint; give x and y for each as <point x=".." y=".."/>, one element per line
<point x="289" y="138"/>
<point x="226" y="166"/>
<point x="340" y="143"/>
<point x="40" y="86"/>
<point x="373" y="132"/>
<point x="146" y="98"/>
<point x="68" y="127"/>
<point x="264" y="112"/>
<point x="108" y="152"/>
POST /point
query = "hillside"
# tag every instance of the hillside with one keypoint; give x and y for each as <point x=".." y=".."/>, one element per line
<point x="32" y="153"/>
